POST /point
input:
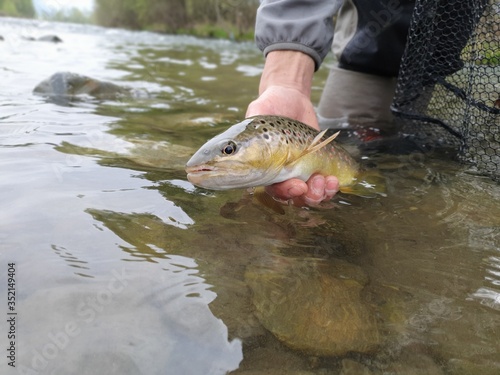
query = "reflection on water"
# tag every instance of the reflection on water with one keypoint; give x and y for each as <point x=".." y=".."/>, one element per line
<point x="132" y="320"/>
<point x="124" y="267"/>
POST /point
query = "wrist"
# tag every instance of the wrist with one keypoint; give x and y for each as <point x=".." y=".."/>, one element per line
<point x="290" y="69"/>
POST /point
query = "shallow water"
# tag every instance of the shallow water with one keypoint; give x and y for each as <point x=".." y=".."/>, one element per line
<point x="123" y="267"/>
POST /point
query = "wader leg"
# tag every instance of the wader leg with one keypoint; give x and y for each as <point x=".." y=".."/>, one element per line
<point x="352" y="99"/>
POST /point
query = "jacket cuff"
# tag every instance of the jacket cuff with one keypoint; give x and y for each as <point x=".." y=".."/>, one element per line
<point x="291" y="46"/>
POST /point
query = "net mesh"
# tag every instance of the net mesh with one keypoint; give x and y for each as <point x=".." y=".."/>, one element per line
<point x="448" y="89"/>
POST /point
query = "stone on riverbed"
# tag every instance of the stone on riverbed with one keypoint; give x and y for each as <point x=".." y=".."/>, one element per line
<point x="314" y="306"/>
<point x="64" y="87"/>
<point x="46" y="38"/>
<point x="50" y="38"/>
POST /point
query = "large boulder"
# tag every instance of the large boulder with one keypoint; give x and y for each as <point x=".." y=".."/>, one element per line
<point x="314" y="305"/>
<point x="63" y="87"/>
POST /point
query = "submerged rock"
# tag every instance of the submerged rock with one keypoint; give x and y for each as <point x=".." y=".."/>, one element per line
<point x="351" y="367"/>
<point x="46" y="38"/>
<point x="50" y="38"/>
<point x="465" y="367"/>
<point x="63" y="87"/>
<point x="411" y="363"/>
<point x="314" y="306"/>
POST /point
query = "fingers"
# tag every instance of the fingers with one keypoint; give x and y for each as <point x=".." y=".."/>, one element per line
<point x="332" y="186"/>
<point x="317" y="189"/>
<point x="320" y="189"/>
<point x="289" y="189"/>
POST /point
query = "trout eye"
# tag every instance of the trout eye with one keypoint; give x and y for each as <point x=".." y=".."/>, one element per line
<point x="229" y="148"/>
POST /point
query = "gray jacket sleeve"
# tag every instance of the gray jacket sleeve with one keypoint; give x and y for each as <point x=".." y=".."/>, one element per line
<point x="301" y="25"/>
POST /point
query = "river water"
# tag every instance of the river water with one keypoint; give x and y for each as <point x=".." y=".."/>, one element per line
<point x="123" y="267"/>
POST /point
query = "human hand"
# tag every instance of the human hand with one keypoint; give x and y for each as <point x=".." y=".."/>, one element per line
<point x="285" y="90"/>
<point x="311" y="193"/>
<point x="284" y="101"/>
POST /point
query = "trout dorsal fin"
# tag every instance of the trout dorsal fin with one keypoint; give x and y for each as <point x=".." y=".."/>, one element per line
<point x="316" y="144"/>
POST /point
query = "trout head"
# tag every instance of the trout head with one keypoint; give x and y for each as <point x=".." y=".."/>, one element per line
<point x="245" y="155"/>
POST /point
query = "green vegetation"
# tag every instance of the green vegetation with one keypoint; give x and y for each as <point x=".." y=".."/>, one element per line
<point x="74" y="15"/>
<point x="225" y="19"/>
<point x="483" y="52"/>
<point x="17" y="8"/>
<point x="233" y="19"/>
<point x="490" y="57"/>
<point x="489" y="52"/>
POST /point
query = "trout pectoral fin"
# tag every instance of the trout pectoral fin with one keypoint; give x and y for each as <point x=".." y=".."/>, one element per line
<point x="369" y="184"/>
<point x="268" y="201"/>
<point x="316" y="144"/>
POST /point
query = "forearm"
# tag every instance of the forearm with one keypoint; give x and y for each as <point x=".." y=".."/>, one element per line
<point x="289" y="69"/>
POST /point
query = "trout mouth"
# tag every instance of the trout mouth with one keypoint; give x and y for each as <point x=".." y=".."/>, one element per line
<point x="200" y="168"/>
<point x="218" y="177"/>
<point x="199" y="173"/>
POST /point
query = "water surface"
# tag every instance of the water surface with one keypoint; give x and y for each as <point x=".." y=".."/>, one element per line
<point x="124" y="267"/>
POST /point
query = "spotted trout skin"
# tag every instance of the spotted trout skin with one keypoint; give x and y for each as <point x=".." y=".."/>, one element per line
<point x="264" y="150"/>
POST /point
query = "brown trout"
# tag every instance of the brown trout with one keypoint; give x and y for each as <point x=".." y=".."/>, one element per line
<point x="264" y="150"/>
